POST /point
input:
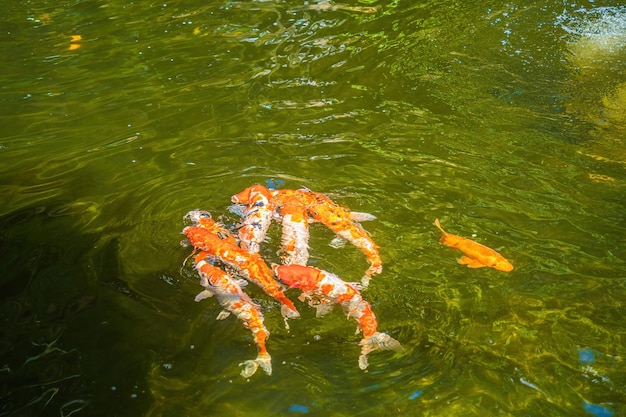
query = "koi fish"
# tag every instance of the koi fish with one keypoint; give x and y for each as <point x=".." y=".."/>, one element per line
<point x="257" y="216"/>
<point x="330" y="289"/>
<point x="250" y="265"/>
<point x="292" y="205"/>
<point x="203" y="218"/>
<point x="339" y="220"/>
<point x="476" y="255"/>
<point x="231" y="297"/>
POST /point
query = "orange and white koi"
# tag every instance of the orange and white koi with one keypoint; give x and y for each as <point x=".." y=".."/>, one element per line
<point x="475" y="254"/>
<point x="257" y="216"/>
<point x="330" y="289"/>
<point x="341" y="221"/>
<point x="204" y="219"/>
<point x="249" y="265"/>
<point x="231" y="297"/>
<point x="292" y="205"/>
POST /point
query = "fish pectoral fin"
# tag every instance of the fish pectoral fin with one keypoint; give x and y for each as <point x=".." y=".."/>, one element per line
<point x="363" y="363"/>
<point x="288" y="313"/>
<point x="337" y="243"/>
<point x="357" y="216"/>
<point x="305" y="296"/>
<point x="357" y="285"/>
<point x="222" y="315"/>
<point x="204" y="294"/>
<point x="322" y="309"/>
<point x="471" y="263"/>
<point x="241" y="282"/>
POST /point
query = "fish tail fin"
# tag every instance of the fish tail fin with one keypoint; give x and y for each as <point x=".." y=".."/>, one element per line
<point x="250" y="366"/>
<point x="377" y="341"/>
<point x="439" y="227"/>
<point x="265" y="362"/>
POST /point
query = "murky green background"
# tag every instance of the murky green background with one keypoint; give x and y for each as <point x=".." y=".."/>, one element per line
<point x="504" y="120"/>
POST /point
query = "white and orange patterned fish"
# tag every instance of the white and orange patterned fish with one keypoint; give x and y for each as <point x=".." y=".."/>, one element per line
<point x="257" y="216"/>
<point x="249" y="264"/>
<point x="326" y="289"/>
<point x="231" y="297"/>
<point x="204" y="219"/>
<point x="344" y="223"/>
<point x="292" y="206"/>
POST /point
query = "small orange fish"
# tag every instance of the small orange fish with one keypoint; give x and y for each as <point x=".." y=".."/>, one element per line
<point x="476" y="255"/>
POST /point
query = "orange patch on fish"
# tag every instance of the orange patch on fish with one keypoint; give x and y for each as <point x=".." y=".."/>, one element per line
<point x="475" y="254"/>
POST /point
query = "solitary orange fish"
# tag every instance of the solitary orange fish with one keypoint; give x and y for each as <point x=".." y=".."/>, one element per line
<point x="476" y="255"/>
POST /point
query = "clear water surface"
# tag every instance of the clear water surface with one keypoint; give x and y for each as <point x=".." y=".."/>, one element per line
<point x="504" y="120"/>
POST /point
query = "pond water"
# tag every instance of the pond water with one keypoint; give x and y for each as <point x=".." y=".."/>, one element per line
<point x="504" y="121"/>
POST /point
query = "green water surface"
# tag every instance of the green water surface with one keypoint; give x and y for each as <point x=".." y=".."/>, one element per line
<point x="504" y="120"/>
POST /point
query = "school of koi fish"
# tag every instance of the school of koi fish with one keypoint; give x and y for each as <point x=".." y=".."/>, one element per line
<point x="226" y="260"/>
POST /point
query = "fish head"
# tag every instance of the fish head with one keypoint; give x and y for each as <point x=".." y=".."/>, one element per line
<point x="195" y="235"/>
<point x="324" y="214"/>
<point x="497" y="262"/>
<point x="502" y="265"/>
<point x="196" y="215"/>
<point x="286" y="274"/>
<point x="242" y="197"/>
<point x="296" y="208"/>
<point x="251" y="194"/>
<point x="296" y="276"/>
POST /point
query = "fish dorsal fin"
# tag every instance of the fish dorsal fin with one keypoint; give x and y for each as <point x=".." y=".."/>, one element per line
<point x="471" y="263"/>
